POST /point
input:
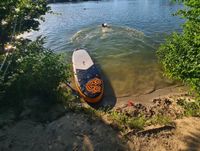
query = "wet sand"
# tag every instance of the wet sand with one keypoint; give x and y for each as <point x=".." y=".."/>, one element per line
<point x="147" y="98"/>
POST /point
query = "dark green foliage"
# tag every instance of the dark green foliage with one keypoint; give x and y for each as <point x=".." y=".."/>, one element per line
<point x="30" y="73"/>
<point x="19" y="16"/>
<point x="180" y="55"/>
<point x="33" y="71"/>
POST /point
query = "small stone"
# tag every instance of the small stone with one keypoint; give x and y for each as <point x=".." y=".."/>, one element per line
<point x="50" y="146"/>
<point x="79" y="138"/>
<point x="94" y="129"/>
<point x="59" y="138"/>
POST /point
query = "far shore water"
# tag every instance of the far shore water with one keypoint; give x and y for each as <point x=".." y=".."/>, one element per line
<point x="62" y="1"/>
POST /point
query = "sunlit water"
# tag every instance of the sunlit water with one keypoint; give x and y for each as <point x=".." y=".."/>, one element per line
<point x="125" y="52"/>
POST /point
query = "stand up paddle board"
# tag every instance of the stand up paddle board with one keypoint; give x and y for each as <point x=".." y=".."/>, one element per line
<point x="87" y="77"/>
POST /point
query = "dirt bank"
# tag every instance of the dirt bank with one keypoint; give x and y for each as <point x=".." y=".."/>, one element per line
<point x="68" y="130"/>
<point x="184" y="136"/>
<point x="78" y="132"/>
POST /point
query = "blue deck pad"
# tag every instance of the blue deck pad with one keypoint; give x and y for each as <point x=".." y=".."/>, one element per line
<point x="86" y="75"/>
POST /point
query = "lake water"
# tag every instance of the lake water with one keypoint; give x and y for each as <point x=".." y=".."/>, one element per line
<point x="125" y="52"/>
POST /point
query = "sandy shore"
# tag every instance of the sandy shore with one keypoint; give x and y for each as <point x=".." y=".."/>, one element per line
<point x="147" y="98"/>
<point x="114" y="101"/>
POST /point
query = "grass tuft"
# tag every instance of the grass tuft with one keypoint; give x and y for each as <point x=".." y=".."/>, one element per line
<point x="190" y="108"/>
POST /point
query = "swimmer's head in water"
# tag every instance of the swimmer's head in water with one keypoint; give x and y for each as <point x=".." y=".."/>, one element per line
<point x="104" y="25"/>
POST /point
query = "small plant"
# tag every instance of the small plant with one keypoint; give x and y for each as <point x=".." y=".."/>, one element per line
<point x="190" y="108"/>
<point x="159" y="119"/>
<point x="137" y="122"/>
<point x="124" y="121"/>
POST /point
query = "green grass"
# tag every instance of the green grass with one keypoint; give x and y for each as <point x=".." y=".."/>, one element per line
<point x="120" y="119"/>
<point x="190" y="108"/>
<point x="123" y="121"/>
<point x="137" y="122"/>
<point x="159" y="119"/>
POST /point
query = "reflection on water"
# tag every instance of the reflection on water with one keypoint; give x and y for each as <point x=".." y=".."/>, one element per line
<point x="126" y="57"/>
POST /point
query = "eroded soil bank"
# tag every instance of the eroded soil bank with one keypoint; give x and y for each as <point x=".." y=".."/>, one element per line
<point x="72" y="130"/>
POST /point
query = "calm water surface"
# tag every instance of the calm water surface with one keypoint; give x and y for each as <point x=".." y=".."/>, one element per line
<point x="126" y="51"/>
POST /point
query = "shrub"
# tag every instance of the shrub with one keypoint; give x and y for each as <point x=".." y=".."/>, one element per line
<point x="180" y="54"/>
<point x="19" y="16"/>
<point x="32" y="71"/>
